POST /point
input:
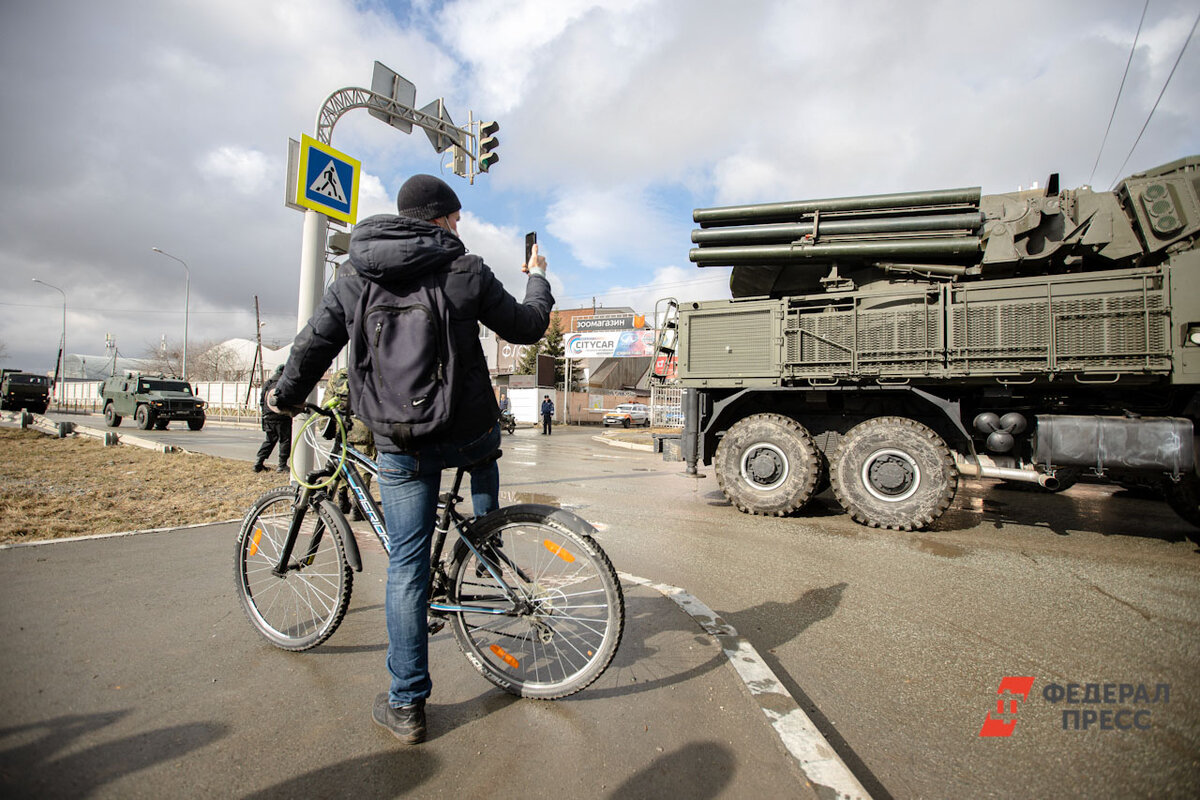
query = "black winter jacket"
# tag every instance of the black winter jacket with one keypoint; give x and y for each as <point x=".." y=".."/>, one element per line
<point x="393" y="250"/>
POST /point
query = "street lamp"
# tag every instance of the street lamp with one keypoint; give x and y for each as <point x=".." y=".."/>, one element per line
<point x="187" y="293"/>
<point x="61" y="365"/>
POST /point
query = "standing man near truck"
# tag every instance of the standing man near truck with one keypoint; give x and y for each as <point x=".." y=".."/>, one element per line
<point x="547" y="414"/>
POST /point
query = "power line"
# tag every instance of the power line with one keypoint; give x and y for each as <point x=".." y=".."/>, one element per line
<point x="1160" y="97"/>
<point x="1120" y="89"/>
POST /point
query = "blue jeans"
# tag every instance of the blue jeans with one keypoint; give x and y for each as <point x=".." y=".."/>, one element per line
<point x="408" y="489"/>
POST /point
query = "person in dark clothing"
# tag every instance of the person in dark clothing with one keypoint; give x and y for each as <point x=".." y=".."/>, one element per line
<point x="420" y="247"/>
<point x="547" y="414"/>
<point x="278" y="428"/>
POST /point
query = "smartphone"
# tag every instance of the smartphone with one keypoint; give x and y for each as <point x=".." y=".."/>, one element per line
<point x="530" y="241"/>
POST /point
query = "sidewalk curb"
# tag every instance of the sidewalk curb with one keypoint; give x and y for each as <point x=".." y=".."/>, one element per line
<point x="820" y="764"/>
<point x="627" y="445"/>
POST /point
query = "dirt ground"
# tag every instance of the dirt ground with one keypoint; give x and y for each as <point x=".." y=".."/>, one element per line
<point x="53" y="488"/>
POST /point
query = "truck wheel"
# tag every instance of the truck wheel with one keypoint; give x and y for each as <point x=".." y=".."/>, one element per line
<point x="892" y="472"/>
<point x="144" y="418"/>
<point x="195" y="424"/>
<point x="111" y="418"/>
<point x="767" y="464"/>
<point x="1184" y="497"/>
<point x="161" y="424"/>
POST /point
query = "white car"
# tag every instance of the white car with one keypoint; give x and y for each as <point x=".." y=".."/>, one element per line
<point x="627" y="414"/>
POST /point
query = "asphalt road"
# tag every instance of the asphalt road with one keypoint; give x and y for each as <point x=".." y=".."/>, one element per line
<point x="896" y="644"/>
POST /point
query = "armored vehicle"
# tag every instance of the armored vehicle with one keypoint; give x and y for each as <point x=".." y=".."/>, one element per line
<point x="24" y="390"/>
<point x="152" y="400"/>
<point x="888" y="344"/>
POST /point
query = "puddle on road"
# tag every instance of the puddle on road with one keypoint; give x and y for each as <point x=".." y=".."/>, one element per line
<point x="515" y="498"/>
<point x="943" y="549"/>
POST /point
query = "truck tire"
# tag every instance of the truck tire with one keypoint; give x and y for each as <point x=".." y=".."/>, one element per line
<point x="1184" y="497"/>
<point x="144" y="418"/>
<point x="111" y="418"/>
<point x="767" y="464"/>
<point x="196" y="424"/>
<point x="161" y="424"/>
<point x="893" y="472"/>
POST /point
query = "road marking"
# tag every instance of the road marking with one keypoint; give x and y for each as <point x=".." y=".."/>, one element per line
<point x="813" y="753"/>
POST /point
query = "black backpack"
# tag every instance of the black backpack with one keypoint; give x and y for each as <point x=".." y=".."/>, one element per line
<point x="403" y="366"/>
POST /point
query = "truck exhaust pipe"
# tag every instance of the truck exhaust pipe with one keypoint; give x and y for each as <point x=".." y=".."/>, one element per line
<point x="1008" y="474"/>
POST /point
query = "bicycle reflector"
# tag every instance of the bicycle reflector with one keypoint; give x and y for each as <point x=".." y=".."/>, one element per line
<point x="254" y="545"/>
<point x="561" y="552"/>
<point x="504" y="655"/>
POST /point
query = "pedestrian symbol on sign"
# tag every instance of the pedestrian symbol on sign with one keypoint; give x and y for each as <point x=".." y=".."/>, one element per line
<point x="326" y="181"/>
<point x="328" y="184"/>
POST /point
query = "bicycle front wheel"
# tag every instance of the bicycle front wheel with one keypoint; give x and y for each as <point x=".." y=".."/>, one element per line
<point x="570" y="612"/>
<point x="304" y="606"/>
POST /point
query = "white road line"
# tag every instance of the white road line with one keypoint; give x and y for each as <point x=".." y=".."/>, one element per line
<point x="813" y="753"/>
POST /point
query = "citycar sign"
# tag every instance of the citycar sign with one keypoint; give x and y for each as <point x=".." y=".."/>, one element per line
<point x="622" y="344"/>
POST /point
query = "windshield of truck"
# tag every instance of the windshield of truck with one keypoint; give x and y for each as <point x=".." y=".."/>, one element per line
<point x="29" y="380"/>
<point x="164" y="386"/>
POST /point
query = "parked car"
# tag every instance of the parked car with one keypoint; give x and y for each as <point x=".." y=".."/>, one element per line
<point x="627" y="414"/>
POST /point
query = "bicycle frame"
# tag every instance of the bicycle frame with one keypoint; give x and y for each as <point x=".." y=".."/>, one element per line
<point x="449" y="515"/>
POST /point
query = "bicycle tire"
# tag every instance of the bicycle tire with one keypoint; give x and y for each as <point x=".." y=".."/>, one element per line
<point x="303" y="608"/>
<point x="577" y="616"/>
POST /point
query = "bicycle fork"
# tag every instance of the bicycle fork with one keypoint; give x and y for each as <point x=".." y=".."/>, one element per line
<point x="299" y="510"/>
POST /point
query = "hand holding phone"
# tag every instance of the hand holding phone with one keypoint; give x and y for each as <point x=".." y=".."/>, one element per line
<point x="532" y="257"/>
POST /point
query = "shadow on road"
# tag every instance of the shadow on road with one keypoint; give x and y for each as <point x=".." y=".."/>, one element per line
<point x="35" y="767"/>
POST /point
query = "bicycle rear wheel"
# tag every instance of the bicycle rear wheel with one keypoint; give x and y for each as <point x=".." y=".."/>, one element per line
<point x="573" y="611"/>
<point x="304" y="607"/>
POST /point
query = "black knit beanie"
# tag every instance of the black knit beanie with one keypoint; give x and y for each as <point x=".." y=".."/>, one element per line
<point x="426" y="197"/>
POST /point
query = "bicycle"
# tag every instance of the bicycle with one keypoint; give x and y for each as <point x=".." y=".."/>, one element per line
<point x="533" y="601"/>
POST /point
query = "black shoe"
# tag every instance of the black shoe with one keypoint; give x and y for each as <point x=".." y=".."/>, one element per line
<point x="259" y="467"/>
<point x="407" y="723"/>
<point x="282" y="468"/>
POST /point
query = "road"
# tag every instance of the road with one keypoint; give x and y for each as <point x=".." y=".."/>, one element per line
<point x="895" y="643"/>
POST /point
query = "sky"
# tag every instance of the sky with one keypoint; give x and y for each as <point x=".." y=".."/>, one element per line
<point x="135" y="124"/>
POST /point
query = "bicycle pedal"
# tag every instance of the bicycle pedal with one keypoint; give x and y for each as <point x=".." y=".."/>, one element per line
<point x="435" y="624"/>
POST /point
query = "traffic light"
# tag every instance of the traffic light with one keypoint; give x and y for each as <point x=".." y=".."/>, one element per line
<point x="487" y="145"/>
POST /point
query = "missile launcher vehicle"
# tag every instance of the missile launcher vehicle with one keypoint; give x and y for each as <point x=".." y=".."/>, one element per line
<point x="888" y="344"/>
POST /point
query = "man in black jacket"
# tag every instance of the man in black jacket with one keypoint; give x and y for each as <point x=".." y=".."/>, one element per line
<point x="421" y="246"/>
<point x="277" y="426"/>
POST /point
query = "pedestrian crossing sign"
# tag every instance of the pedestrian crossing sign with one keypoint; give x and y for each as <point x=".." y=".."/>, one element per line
<point x="327" y="181"/>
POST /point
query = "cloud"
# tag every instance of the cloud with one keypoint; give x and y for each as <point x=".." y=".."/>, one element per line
<point x="243" y="170"/>
<point x="605" y="227"/>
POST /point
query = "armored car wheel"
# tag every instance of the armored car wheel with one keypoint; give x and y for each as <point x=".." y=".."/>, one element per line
<point x="893" y="472"/>
<point x="111" y="418"/>
<point x="144" y="418"/>
<point x="768" y="464"/>
<point x="161" y="424"/>
<point x="195" y="424"/>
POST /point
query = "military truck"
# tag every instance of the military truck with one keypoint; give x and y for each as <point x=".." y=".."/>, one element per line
<point x="888" y="344"/>
<point x="24" y="390"/>
<point x="154" y="401"/>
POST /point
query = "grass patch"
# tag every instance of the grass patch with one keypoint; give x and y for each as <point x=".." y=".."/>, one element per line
<point x="54" y="488"/>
